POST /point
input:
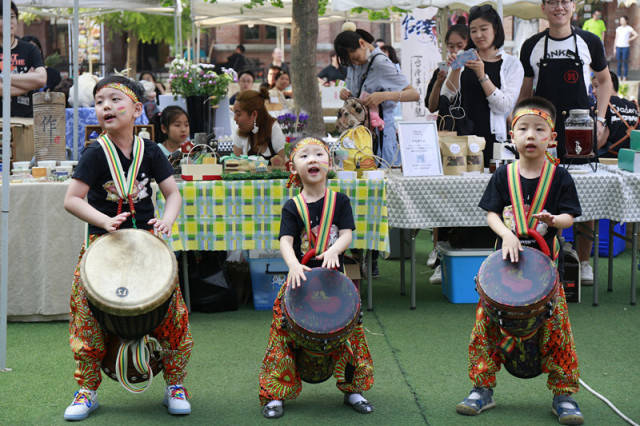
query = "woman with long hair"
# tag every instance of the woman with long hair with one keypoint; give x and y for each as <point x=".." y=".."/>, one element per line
<point x="455" y="40"/>
<point x="258" y="133"/>
<point x="371" y="72"/>
<point x="486" y="87"/>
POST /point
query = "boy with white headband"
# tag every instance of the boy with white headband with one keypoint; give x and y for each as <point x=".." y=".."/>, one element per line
<point x="534" y="182"/>
<point x="114" y="176"/>
<point x="317" y="215"/>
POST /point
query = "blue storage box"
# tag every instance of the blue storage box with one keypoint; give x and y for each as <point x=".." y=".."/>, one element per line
<point x="603" y="236"/>
<point x="459" y="270"/>
<point x="267" y="276"/>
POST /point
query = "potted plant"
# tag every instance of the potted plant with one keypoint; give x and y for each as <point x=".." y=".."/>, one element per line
<point x="202" y="88"/>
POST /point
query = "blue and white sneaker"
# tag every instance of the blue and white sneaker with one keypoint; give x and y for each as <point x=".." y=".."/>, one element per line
<point x="84" y="402"/>
<point x="479" y="400"/>
<point x="175" y="399"/>
<point x="567" y="410"/>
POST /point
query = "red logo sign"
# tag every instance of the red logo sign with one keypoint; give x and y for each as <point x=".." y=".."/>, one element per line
<point x="571" y="76"/>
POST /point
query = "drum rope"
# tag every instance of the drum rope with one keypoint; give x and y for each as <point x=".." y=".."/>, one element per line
<point x="609" y="403"/>
<point x="141" y="361"/>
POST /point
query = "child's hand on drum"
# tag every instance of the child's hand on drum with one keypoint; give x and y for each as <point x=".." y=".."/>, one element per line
<point x="330" y="259"/>
<point x="546" y="217"/>
<point x="511" y="247"/>
<point x="296" y="275"/>
<point x="113" y="223"/>
<point x="160" y="226"/>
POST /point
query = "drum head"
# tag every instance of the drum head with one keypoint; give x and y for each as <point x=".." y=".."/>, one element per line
<point x="128" y="272"/>
<point x="327" y="302"/>
<point x="517" y="284"/>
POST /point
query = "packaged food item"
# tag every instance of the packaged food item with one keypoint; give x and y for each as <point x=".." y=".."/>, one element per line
<point x="475" y="156"/>
<point x="454" y="154"/>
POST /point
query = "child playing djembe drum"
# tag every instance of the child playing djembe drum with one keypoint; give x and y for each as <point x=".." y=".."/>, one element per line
<point x="531" y="193"/>
<point x="114" y="175"/>
<point x="322" y="219"/>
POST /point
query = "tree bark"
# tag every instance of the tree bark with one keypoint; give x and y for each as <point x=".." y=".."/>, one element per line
<point x="132" y="54"/>
<point x="304" y="38"/>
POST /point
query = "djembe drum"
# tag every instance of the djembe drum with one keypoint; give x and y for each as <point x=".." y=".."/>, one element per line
<point x="129" y="277"/>
<point x="519" y="297"/>
<point x="320" y="317"/>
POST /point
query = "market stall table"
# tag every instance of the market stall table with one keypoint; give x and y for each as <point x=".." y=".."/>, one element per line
<point x="423" y="202"/>
<point x="44" y="243"/>
<point x="245" y="215"/>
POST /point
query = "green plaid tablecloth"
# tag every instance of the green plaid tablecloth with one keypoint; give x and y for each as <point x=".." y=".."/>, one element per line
<point x="232" y="215"/>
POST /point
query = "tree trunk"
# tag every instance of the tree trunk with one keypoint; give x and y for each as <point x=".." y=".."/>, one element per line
<point x="304" y="38"/>
<point x="132" y="54"/>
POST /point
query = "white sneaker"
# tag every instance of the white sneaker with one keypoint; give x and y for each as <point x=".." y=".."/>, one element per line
<point x="84" y="402"/>
<point x="586" y="273"/>
<point x="175" y="399"/>
<point x="436" y="278"/>
<point x="433" y="257"/>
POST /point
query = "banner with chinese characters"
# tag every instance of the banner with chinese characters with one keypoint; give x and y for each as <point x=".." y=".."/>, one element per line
<point x="420" y="56"/>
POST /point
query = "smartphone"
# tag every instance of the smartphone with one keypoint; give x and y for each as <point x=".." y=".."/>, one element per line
<point x="462" y="58"/>
<point x="442" y="66"/>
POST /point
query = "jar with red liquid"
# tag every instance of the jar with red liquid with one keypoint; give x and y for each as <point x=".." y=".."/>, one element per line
<point x="578" y="133"/>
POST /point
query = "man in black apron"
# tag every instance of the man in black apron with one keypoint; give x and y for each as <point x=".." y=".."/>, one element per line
<point x="557" y="64"/>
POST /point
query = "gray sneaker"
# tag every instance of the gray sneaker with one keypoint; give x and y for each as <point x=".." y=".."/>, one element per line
<point x="479" y="399"/>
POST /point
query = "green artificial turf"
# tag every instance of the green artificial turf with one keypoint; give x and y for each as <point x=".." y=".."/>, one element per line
<point x="420" y="359"/>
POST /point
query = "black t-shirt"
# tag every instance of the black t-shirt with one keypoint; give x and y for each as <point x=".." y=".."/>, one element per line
<point x="443" y="106"/>
<point x="23" y="57"/>
<point x="617" y="129"/>
<point x="331" y="73"/>
<point x="476" y="106"/>
<point x="93" y="170"/>
<point x="562" y="198"/>
<point x="291" y="224"/>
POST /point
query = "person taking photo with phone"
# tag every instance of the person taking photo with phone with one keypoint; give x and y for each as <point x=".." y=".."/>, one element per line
<point x="483" y="86"/>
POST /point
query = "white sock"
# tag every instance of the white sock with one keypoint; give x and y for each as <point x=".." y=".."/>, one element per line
<point x="274" y="403"/>
<point x="354" y="398"/>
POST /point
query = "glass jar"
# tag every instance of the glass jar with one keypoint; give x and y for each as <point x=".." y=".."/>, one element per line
<point x="578" y="133"/>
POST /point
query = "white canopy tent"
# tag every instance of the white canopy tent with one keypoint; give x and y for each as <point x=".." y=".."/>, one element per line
<point x="525" y="9"/>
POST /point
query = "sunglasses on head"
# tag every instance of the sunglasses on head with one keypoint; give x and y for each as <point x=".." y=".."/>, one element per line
<point x="480" y="9"/>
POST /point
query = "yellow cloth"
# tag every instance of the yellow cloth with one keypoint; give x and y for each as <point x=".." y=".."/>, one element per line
<point x="359" y="145"/>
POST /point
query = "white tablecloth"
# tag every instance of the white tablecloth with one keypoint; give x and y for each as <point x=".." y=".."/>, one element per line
<point x="438" y="201"/>
<point x="44" y="242"/>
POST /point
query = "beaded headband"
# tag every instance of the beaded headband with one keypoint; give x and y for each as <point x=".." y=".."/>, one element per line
<point x="294" y="179"/>
<point x="533" y="111"/>
<point x="124" y="89"/>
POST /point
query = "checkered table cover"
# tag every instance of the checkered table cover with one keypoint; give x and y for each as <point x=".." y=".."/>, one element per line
<point x="437" y="201"/>
<point x="232" y="215"/>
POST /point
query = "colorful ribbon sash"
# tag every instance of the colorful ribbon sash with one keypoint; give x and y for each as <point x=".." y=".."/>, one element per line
<point x="527" y="221"/>
<point x="328" y="210"/>
<point x="124" y="184"/>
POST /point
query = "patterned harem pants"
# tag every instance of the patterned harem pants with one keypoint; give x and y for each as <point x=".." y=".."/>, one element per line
<point x="279" y="378"/>
<point x="558" y="352"/>
<point x="87" y="338"/>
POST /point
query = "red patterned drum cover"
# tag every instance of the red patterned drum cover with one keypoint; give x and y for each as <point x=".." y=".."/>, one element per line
<point x="320" y="316"/>
<point x="518" y="296"/>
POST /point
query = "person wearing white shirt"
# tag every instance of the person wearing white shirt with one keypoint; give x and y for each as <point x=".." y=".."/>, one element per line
<point x="258" y="133"/>
<point x="488" y="86"/>
<point x="624" y="35"/>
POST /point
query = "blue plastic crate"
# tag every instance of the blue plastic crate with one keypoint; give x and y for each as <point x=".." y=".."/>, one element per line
<point x="603" y="236"/>
<point x="459" y="270"/>
<point x="267" y="276"/>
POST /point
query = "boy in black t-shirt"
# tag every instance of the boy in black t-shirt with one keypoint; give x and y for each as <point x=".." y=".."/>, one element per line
<point x="27" y="71"/>
<point x="620" y="120"/>
<point x="109" y="205"/>
<point x="307" y="224"/>
<point x="550" y="193"/>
